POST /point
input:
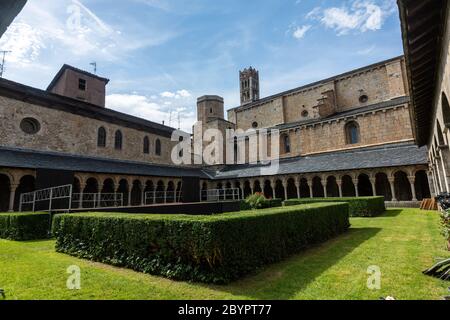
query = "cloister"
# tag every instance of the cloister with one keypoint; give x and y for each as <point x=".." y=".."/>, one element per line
<point x="395" y="184"/>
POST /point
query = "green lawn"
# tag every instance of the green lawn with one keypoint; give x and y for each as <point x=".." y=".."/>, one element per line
<point x="401" y="242"/>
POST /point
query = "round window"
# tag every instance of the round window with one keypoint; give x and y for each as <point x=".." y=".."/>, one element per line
<point x="255" y="125"/>
<point x="30" y="125"/>
<point x="364" y="98"/>
<point x="305" y="114"/>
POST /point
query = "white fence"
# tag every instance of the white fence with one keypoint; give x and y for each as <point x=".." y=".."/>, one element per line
<point x="216" y="195"/>
<point x="158" y="197"/>
<point x="97" y="200"/>
<point x="49" y="196"/>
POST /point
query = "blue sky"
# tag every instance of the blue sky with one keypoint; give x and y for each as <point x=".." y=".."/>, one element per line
<point x="162" y="54"/>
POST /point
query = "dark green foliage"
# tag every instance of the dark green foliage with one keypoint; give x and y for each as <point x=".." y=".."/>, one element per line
<point x="25" y="226"/>
<point x="210" y="249"/>
<point x="359" y="206"/>
<point x="259" y="201"/>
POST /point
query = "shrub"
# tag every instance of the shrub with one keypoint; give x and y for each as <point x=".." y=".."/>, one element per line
<point x="259" y="201"/>
<point x="25" y="226"/>
<point x="359" y="206"/>
<point x="210" y="249"/>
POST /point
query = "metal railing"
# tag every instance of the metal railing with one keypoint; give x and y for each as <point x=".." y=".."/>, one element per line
<point x="49" y="195"/>
<point x="158" y="197"/>
<point x="216" y="195"/>
<point x="97" y="200"/>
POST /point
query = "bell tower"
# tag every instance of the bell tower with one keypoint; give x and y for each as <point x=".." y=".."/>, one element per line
<point x="249" y="84"/>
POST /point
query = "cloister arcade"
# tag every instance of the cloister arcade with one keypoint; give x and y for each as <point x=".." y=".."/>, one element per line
<point x="395" y="184"/>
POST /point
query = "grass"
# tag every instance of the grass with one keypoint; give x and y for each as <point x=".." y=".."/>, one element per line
<point x="401" y="242"/>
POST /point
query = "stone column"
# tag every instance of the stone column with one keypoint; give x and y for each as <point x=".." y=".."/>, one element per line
<point x="130" y="188"/>
<point x="444" y="173"/>
<point x="373" y="182"/>
<point x="12" y="196"/>
<point x="355" y="184"/>
<point x="285" y="185"/>
<point x="82" y="187"/>
<point x="438" y="175"/>
<point x="310" y="185"/>
<point x="142" y="193"/>
<point x="297" y="185"/>
<point x="412" y="180"/>
<point x="392" y="183"/>
<point x="339" y="183"/>
<point x="252" y="186"/>
<point x="324" y="186"/>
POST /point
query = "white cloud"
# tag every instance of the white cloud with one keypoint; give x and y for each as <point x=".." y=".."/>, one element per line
<point x="366" y="51"/>
<point x="300" y="32"/>
<point x="176" y="95"/>
<point x="360" y="16"/>
<point x="153" y="110"/>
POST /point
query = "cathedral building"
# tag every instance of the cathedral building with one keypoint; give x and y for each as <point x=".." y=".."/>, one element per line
<point x="349" y="135"/>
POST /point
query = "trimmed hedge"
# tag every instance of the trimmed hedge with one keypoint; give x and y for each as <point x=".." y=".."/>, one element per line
<point x="25" y="226"/>
<point x="210" y="249"/>
<point x="359" y="206"/>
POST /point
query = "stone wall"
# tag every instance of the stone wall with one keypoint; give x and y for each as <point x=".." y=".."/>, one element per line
<point x="66" y="132"/>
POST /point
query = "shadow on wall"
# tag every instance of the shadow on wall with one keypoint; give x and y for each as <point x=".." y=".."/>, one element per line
<point x="295" y="273"/>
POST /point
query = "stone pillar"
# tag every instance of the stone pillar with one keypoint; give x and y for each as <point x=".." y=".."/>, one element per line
<point x="324" y="186"/>
<point x="12" y="196"/>
<point x="297" y="185"/>
<point x="392" y="183"/>
<point x="339" y="183"/>
<point x="130" y="188"/>
<point x="82" y="187"/>
<point x="412" y="180"/>
<point x="284" y="183"/>
<point x="444" y="173"/>
<point x="142" y="193"/>
<point x="373" y="182"/>
<point x="310" y="185"/>
<point x="355" y="184"/>
<point x="252" y="186"/>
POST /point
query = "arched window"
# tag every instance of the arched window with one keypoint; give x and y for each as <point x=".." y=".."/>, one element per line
<point x="352" y="133"/>
<point x="158" y="147"/>
<point x="146" y="146"/>
<point x="101" y="138"/>
<point x="118" y="140"/>
<point x="286" y="143"/>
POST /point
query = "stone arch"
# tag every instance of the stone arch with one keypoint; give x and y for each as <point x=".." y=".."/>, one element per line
<point x="247" y="189"/>
<point x="279" y="190"/>
<point x="149" y="192"/>
<point x="422" y="185"/>
<point x="5" y="192"/>
<point x="382" y="186"/>
<point x="108" y="186"/>
<point x="291" y="189"/>
<point x="348" y="187"/>
<point x="26" y="184"/>
<point x="364" y="186"/>
<point x="332" y="187"/>
<point x="352" y="132"/>
<point x="402" y="186"/>
<point x="268" y="190"/>
<point x="160" y="192"/>
<point x="257" y="187"/>
<point x="101" y="137"/>
<point x="146" y="145"/>
<point x="317" y="187"/>
<point x="170" y="192"/>
<point x="123" y="188"/>
<point x="118" y="140"/>
<point x="304" y="188"/>
<point x="445" y="110"/>
<point x="136" y="193"/>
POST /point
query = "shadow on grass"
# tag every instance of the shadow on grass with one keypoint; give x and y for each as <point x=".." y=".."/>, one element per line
<point x="282" y="281"/>
<point x="391" y="213"/>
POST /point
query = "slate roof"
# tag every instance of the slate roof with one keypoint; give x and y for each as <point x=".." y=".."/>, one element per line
<point x="31" y="159"/>
<point x="374" y="107"/>
<point x="367" y="158"/>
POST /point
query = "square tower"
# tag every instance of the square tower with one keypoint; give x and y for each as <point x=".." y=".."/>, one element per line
<point x="249" y="84"/>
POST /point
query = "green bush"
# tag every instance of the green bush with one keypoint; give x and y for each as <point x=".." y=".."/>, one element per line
<point x="25" y="226"/>
<point x="210" y="249"/>
<point x="359" y="206"/>
<point x="259" y="201"/>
